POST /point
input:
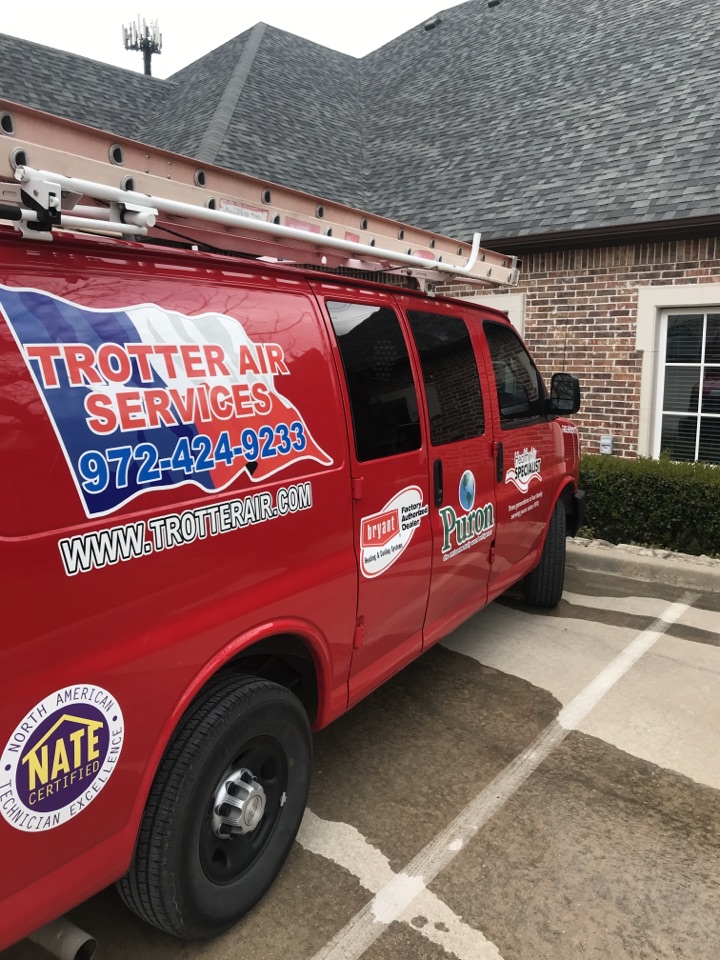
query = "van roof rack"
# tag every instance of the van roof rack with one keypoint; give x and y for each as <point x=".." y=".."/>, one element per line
<point x="56" y="173"/>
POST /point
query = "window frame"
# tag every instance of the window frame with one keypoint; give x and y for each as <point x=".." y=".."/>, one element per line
<point x="447" y="314"/>
<point x="704" y="310"/>
<point x="520" y="422"/>
<point x="373" y="305"/>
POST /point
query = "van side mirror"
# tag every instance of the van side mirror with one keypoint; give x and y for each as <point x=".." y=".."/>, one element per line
<point x="564" y="394"/>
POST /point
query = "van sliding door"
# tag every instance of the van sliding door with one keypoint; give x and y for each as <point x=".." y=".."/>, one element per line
<point x="389" y="482"/>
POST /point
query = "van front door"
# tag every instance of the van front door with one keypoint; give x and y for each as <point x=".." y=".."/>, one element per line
<point x="530" y="457"/>
<point x="389" y="478"/>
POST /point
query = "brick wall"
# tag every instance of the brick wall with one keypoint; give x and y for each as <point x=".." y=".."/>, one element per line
<point x="581" y="312"/>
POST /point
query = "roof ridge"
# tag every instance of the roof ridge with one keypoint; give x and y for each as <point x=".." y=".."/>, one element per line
<point x="214" y="136"/>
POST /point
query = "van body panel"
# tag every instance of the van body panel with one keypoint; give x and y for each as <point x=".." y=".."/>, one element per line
<point x="138" y="598"/>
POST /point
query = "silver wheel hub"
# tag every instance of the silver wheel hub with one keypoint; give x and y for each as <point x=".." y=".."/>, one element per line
<point x="239" y="805"/>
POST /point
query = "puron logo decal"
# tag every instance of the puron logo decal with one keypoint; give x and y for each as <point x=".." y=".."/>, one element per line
<point x="60" y="757"/>
<point x="525" y="470"/>
<point x="386" y="534"/>
<point x="475" y="524"/>
<point x="143" y="398"/>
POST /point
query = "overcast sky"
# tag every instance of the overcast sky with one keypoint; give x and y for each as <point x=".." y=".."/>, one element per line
<point x="93" y="27"/>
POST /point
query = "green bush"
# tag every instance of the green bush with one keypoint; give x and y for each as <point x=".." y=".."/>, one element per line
<point x="652" y="503"/>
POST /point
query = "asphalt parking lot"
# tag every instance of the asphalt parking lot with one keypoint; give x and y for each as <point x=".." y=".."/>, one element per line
<point x="541" y="785"/>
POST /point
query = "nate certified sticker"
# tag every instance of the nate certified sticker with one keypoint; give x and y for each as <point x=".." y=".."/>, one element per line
<point x="59" y="757"/>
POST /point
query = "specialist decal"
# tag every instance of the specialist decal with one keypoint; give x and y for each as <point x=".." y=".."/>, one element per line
<point x="462" y="531"/>
<point x="386" y="534"/>
<point x="142" y="398"/>
<point x="525" y="469"/>
<point x="59" y="757"/>
<point x="129" y="541"/>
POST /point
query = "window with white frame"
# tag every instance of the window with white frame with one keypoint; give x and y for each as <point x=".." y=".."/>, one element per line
<point x="688" y="406"/>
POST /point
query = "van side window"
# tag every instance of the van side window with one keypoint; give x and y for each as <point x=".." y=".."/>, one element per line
<point x="450" y="373"/>
<point x="520" y="390"/>
<point x="383" y="397"/>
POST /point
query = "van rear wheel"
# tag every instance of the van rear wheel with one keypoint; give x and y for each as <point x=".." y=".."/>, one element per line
<point x="226" y="803"/>
<point x="544" y="585"/>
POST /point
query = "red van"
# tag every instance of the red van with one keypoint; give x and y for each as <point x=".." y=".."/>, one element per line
<point x="238" y="496"/>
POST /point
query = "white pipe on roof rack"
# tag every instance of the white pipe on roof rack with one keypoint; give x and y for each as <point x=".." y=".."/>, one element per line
<point x="114" y="226"/>
<point x="175" y="208"/>
<point x="86" y="223"/>
<point x="144" y="218"/>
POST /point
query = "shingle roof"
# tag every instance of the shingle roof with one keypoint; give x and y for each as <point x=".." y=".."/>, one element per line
<point x="536" y="116"/>
<point x="543" y="115"/>
<point x="289" y="111"/>
<point x="300" y="124"/>
<point x="78" y="88"/>
<point x="179" y="120"/>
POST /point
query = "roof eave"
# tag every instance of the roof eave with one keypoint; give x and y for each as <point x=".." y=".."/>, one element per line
<point x="623" y="233"/>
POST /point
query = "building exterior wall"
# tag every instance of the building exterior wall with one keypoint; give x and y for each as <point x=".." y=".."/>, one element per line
<point x="583" y="311"/>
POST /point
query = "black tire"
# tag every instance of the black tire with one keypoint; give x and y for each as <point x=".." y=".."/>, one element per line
<point x="185" y="880"/>
<point x="544" y="584"/>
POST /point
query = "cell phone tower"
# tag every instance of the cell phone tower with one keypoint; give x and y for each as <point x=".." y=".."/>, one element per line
<point x="145" y="37"/>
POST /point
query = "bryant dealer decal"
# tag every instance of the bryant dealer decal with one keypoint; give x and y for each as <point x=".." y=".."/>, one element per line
<point x="59" y="757"/>
<point x="386" y="534"/>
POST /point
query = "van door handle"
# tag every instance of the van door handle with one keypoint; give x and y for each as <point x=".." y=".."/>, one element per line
<point x="438" y="483"/>
<point x="499" y="462"/>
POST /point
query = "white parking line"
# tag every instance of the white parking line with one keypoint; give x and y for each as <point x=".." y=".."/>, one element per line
<point x="571" y="715"/>
<point x="643" y="607"/>
<point x="638" y="606"/>
<point x="400" y="894"/>
<point x="403" y="898"/>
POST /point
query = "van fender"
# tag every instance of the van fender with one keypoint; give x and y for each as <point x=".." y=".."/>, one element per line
<point x="331" y="700"/>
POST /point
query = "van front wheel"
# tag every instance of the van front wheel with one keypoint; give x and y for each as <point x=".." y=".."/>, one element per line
<point x="544" y="584"/>
<point x="226" y="803"/>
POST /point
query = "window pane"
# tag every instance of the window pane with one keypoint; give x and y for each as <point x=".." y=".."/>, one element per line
<point x="712" y="346"/>
<point x="710" y="439"/>
<point x="379" y="377"/>
<point x="678" y="436"/>
<point x="682" y="389"/>
<point x="684" y="338"/>
<point x="450" y="373"/>
<point x="516" y="379"/>
<point x="711" y="390"/>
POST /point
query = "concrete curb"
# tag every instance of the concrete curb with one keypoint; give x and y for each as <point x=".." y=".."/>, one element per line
<point x="639" y="563"/>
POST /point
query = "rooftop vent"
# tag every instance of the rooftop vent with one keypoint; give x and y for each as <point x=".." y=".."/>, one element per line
<point x="494" y="3"/>
<point x="431" y="24"/>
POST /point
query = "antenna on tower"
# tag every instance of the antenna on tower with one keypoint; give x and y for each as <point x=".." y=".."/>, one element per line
<point x="145" y="37"/>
